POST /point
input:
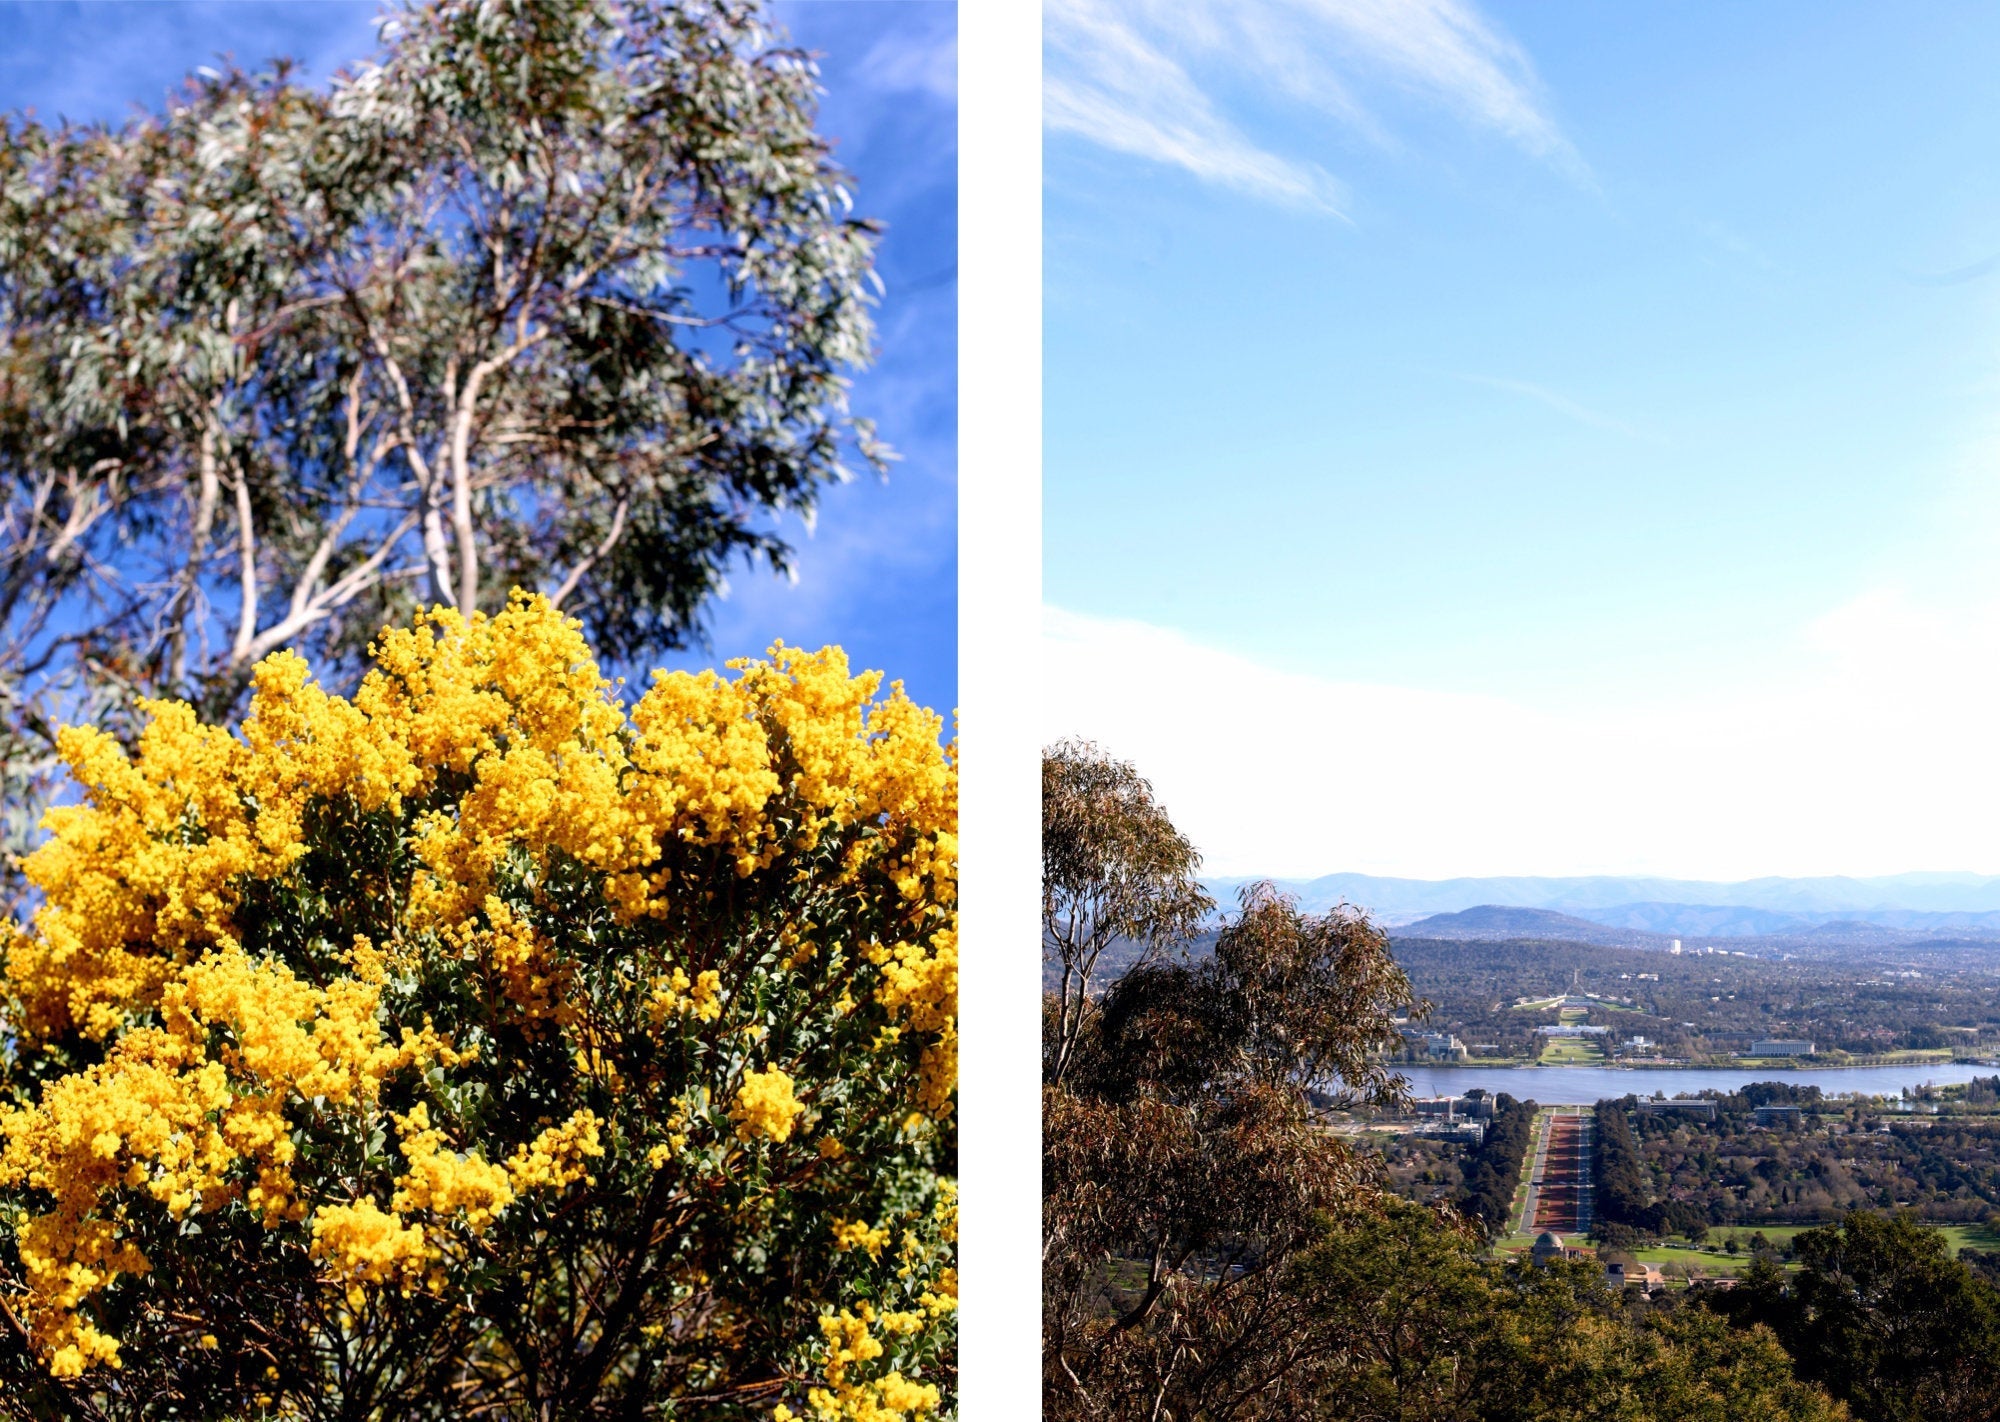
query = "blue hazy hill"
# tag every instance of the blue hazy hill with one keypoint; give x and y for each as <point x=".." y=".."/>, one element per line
<point x="1919" y="902"/>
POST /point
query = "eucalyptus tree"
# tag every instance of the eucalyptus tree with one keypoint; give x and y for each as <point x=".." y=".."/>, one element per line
<point x="1184" y="1172"/>
<point x="552" y="294"/>
<point x="1113" y="868"/>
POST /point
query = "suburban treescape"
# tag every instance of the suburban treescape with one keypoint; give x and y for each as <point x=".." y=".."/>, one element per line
<point x="1247" y="1214"/>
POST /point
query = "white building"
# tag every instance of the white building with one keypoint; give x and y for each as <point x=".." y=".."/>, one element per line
<point x="1431" y="1046"/>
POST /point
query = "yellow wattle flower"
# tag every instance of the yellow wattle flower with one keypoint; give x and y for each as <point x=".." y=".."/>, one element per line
<point x="238" y="1070"/>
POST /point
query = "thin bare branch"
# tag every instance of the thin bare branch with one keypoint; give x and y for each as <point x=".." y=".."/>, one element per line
<point x="610" y="540"/>
<point x="246" y="530"/>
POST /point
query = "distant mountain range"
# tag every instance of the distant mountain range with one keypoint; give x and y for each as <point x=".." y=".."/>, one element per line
<point x="1494" y="922"/>
<point x="1616" y="910"/>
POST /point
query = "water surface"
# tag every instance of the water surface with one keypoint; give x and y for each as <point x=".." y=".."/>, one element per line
<point x="1565" y="1086"/>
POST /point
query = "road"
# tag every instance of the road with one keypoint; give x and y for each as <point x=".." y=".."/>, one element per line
<point x="1536" y="1159"/>
<point x="1561" y="1194"/>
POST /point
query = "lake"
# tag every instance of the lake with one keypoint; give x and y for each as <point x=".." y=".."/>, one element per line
<point x="1567" y="1086"/>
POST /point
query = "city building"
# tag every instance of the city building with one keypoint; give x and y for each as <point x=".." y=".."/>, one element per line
<point x="1700" y="1110"/>
<point x="1644" y="1276"/>
<point x="1781" y="1047"/>
<point x="1472" y="1133"/>
<point x="1777" y="1115"/>
<point x="1431" y="1046"/>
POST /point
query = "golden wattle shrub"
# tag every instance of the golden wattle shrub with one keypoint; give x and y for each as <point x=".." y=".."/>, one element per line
<point x="482" y="1041"/>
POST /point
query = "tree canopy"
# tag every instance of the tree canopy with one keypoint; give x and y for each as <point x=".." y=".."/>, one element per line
<point x="553" y="294"/>
<point x="1113" y="868"/>
<point x="1883" y="1316"/>
<point x="1180" y="1156"/>
<point x="1212" y="1252"/>
<point x="1401" y="1318"/>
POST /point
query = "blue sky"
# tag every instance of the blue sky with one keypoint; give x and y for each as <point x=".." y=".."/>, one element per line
<point x="879" y="572"/>
<point x="1624" y="375"/>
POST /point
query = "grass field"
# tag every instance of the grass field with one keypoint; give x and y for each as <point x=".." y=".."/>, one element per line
<point x="1959" y="1237"/>
<point x="1698" y="1258"/>
<point x="1713" y="1259"/>
<point x="1777" y="1234"/>
<point x="1572" y="1051"/>
<point x="1774" y="1063"/>
<point x="1572" y="1014"/>
<point x="1518" y="1238"/>
<point x="1912" y="1057"/>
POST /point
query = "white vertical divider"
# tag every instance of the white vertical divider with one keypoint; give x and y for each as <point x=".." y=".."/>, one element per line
<point x="1000" y="674"/>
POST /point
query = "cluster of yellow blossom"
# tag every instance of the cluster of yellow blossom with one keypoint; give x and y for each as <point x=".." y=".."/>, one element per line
<point x="443" y="1181"/>
<point x="765" y="1106"/>
<point x="139" y="1120"/>
<point x="939" y="1294"/>
<point x="446" y="1182"/>
<point x="676" y="1141"/>
<point x="556" y="1157"/>
<point x="217" y="1060"/>
<point x="64" y="1267"/>
<point x="858" y="1234"/>
<point x="362" y="1244"/>
<point x="163" y="1115"/>
<point x="517" y="959"/>
<point x="147" y="872"/>
<point x="920" y="990"/>
<point x="138" y="875"/>
<point x="849" y="1341"/>
<point x="674" y="994"/>
<point x="854" y="1337"/>
<point x="158" y="1117"/>
<point x="284" y="1034"/>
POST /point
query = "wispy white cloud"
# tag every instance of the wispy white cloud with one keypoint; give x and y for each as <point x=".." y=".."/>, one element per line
<point x="1143" y="77"/>
<point x="1124" y="92"/>
<point x="1875" y="756"/>
<point x="1556" y="401"/>
<point x="1957" y="276"/>
<point x="1447" y="50"/>
<point x="1739" y="247"/>
<point x="904" y="63"/>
